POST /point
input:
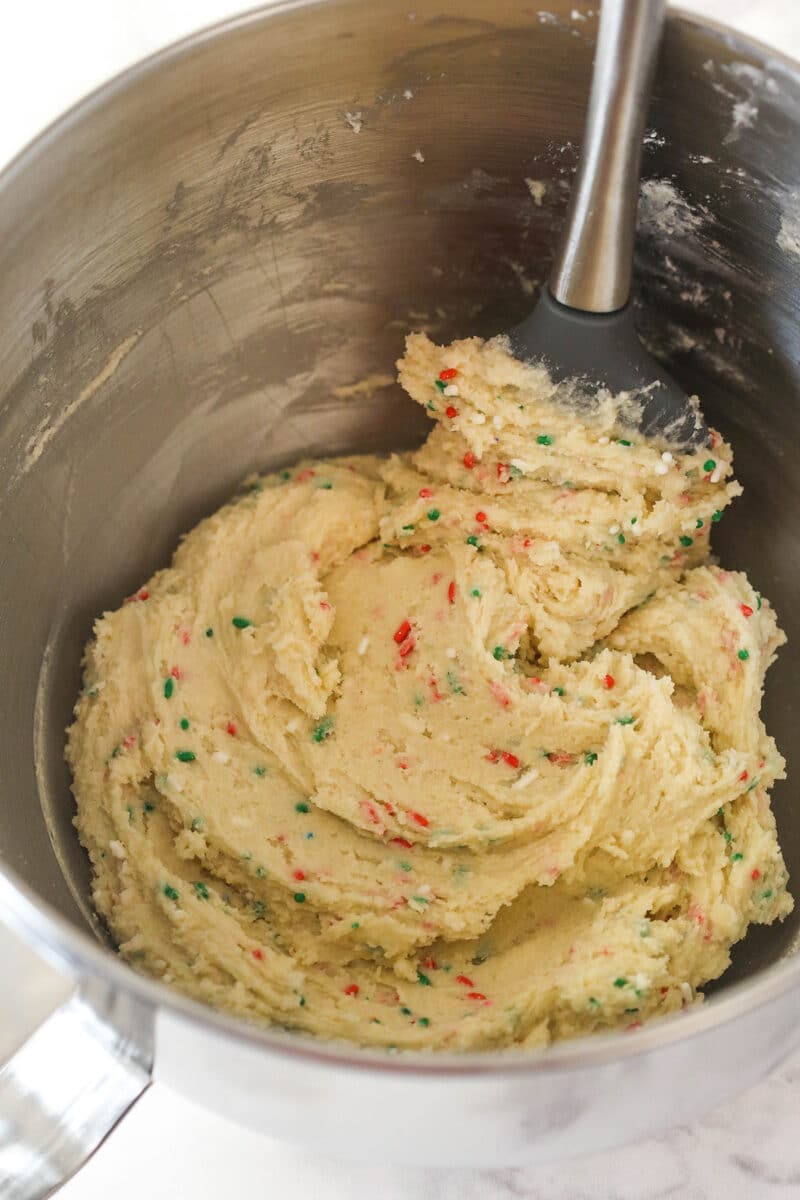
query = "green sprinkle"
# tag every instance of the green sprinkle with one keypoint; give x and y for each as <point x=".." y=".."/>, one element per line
<point x="621" y="539"/>
<point x="129" y="808"/>
<point x="594" y="1003"/>
<point x="433" y="514"/>
<point x="197" y="823"/>
<point x="590" y="757"/>
<point x="260" y="771"/>
<point x="544" y="439"/>
<point x="420" y="900"/>
<point x="169" y="688"/>
<point x="737" y="857"/>
<point x="322" y="731"/>
<point x="326" y="487"/>
<point x="726" y="833"/>
<point x="453" y="684"/>
<point x="634" y="520"/>
<point x="709" y="465"/>
<point x="261" y="872"/>
<point x="424" y="1021"/>
<point x="356" y="925"/>
<point x="241" y="622"/>
<point x="631" y="1010"/>
<point x="628" y="720"/>
<point x="407" y="528"/>
<point x="149" y="806"/>
<point x="744" y="655"/>
<point x="201" y="890"/>
<point x="301" y="807"/>
<point x="184" y="723"/>
<point x="440" y="383"/>
<point x="209" y="632"/>
<point x="758" y="601"/>
<point x="558" y="691"/>
<point x="716" y="516"/>
<point x="185" y="755"/>
<point x="624" y="442"/>
<point x="685" y="540"/>
<point x="259" y="909"/>
<point x="419" y="700"/>
<point x="423" y="979"/>
<point x="170" y="892"/>
<point x="285" y="474"/>
<point x="620" y="983"/>
<point x="405" y="1011"/>
<point x="430" y="405"/>
<point x="767" y="895"/>
<point x="698" y="523"/>
<point x="475" y="592"/>
<point x="302" y="1001"/>
<point x="472" y="541"/>
<point x="299" y="897"/>
<point x="405" y="866"/>
<point x="499" y="653"/>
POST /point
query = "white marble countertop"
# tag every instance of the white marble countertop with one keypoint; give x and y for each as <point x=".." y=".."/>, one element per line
<point x="51" y="53"/>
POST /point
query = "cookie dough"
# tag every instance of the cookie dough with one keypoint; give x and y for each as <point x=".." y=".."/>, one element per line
<point x="455" y="749"/>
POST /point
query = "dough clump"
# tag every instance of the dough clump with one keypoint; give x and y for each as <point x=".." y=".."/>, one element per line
<point x="457" y="749"/>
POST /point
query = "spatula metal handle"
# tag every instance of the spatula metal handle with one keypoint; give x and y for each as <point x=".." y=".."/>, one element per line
<point x="593" y="266"/>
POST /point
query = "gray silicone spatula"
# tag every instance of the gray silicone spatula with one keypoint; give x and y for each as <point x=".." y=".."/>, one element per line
<point x="582" y="326"/>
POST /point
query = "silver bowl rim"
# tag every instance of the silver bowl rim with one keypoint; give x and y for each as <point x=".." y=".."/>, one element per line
<point x="72" y="949"/>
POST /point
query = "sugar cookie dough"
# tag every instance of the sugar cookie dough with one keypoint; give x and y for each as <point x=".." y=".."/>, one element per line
<point x="455" y="749"/>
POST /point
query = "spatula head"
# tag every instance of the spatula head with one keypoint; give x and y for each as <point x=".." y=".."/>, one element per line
<point x="603" y="350"/>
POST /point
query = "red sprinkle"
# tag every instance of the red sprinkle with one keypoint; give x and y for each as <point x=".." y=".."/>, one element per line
<point x="407" y="646"/>
<point x="402" y="632"/>
<point x="561" y="758"/>
<point x="175" y="672"/>
<point x="475" y="996"/>
<point x="144" y="594"/>
<point x="480" y="517"/>
<point x="450" y="411"/>
<point x="469" y="460"/>
<point x="352" y="989"/>
<point x="186" y="637"/>
<point x="424" y="549"/>
<point x="755" y="873"/>
<point x="231" y="728"/>
<point x="129" y="741"/>
<point x="448" y="373"/>
<point x="493" y="756"/>
<point x="429" y="964"/>
<point x="324" y="605"/>
<point x="425" y="493"/>
<point x="503" y="473"/>
<point x="298" y="874"/>
<point x="404" y="842"/>
<point x="258" y="954"/>
<point x="418" y="817"/>
<point x="746" y="610"/>
<point x="465" y="980"/>
<point x="608" y="680"/>
<point x="451" y="591"/>
<point x="743" y="776"/>
<point x="510" y="759"/>
<point x="304" y="476"/>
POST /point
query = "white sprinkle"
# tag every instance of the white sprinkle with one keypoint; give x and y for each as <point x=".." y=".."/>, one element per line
<point x="363" y="645"/>
<point x="716" y="475"/>
<point x="293" y="725"/>
<point x="603" y="441"/>
<point x="452" y="390"/>
<point x="451" y="651"/>
<point x="174" y="781"/>
<point x="425" y="890"/>
<point x="497" y="421"/>
<point x="221" y="757"/>
<point x="478" y="418"/>
<point x="525" y="778"/>
<point x="613" y="528"/>
<point x="418" y="155"/>
<point x="686" y="992"/>
<point x="354" y="121"/>
<point x="661" y="469"/>
<point x="642" y="981"/>
<point x="636" y="530"/>
<point x="627" y="836"/>
<point x="117" y="849"/>
<point x="407" y="94"/>
<point x="667" y="457"/>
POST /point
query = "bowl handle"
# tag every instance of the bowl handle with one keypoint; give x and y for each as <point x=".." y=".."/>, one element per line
<point x="68" y="1083"/>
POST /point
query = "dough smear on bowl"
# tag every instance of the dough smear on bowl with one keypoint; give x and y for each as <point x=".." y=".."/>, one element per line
<point x="456" y="749"/>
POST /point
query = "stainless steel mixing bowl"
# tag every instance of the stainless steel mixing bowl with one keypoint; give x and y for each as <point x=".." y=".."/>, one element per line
<point x="208" y="267"/>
